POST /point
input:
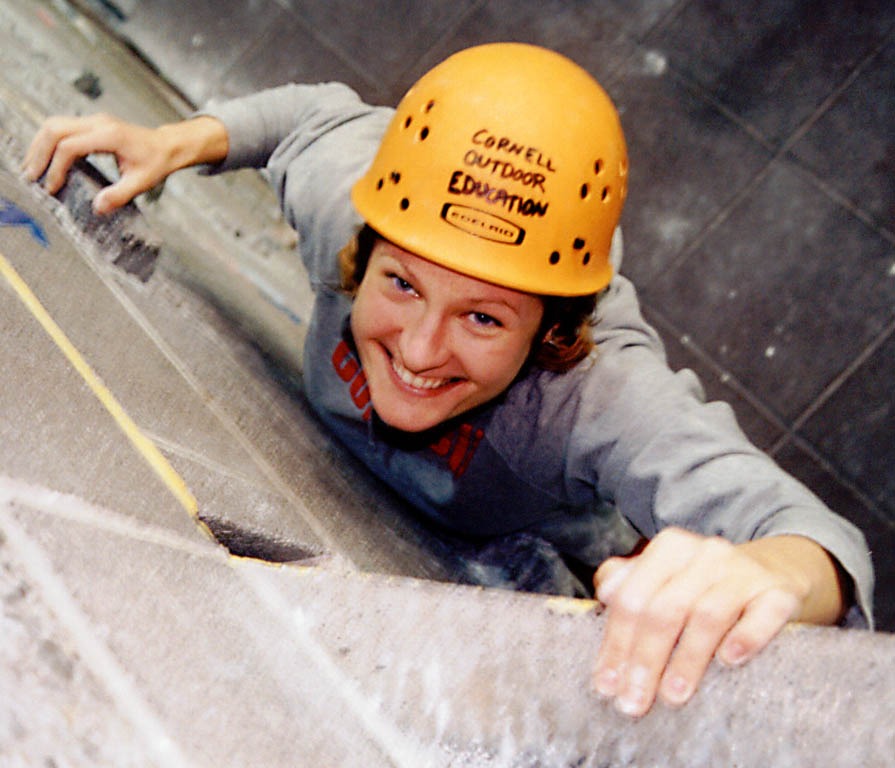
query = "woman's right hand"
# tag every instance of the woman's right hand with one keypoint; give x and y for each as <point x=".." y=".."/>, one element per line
<point x="146" y="156"/>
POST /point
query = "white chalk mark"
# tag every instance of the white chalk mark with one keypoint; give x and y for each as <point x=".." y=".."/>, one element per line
<point x="402" y="751"/>
<point x="655" y="63"/>
<point x="673" y="229"/>
<point x="90" y="647"/>
<point x="69" y="507"/>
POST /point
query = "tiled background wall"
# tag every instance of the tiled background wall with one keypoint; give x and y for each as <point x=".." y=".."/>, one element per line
<point x="760" y="225"/>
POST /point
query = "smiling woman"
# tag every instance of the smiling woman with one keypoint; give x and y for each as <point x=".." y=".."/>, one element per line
<point x="434" y="343"/>
<point x="452" y="350"/>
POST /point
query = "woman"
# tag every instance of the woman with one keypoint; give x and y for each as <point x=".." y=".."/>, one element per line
<point x="452" y="349"/>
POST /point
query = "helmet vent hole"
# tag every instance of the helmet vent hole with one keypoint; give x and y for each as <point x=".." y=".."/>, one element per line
<point x="554" y="257"/>
<point x="379" y="183"/>
<point x="585" y="191"/>
<point x="395" y="176"/>
<point x="405" y="203"/>
<point x="578" y="244"/>
<point x="605" y="194"/>
<point x="430" y="105"/>
<point x="424" y="133"/>
<point x="586" y="258"/>
<point x="408" y="121"/>
<point x="598" y="167"/>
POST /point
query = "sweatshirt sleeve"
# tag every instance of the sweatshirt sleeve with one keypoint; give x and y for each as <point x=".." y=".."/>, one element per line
<point x="314" y="142"/>
<point x="645" y="437"/>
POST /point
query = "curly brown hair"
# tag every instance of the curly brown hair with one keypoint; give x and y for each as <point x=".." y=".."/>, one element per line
<point x="564" y="334"/>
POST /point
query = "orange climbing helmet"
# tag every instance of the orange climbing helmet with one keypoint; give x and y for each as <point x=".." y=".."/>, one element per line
<point x="505" y="162"/>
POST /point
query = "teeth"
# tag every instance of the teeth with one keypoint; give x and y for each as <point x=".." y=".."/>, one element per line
<point x="411" y="379"/>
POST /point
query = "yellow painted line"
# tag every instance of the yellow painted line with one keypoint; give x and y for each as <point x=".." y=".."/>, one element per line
<point x="144" y="445"/>
<point x="572" y="606"/>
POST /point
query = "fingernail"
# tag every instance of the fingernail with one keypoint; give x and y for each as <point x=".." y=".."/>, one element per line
<point x="676" y="689"/>
<point x="607" y="682"/>
<point x="633" y="700"/>
<point x="100" y="204"/>
<point x="733" y="654"/>
<point x="632" y="704"/>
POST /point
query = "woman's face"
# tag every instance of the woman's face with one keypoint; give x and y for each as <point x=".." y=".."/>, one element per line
<point x="434" y="343"/>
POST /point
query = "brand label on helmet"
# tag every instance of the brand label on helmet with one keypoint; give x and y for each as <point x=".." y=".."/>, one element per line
<point x="482" y="224"/>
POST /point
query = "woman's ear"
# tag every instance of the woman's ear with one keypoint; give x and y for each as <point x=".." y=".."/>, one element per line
<point x="550" y="338"/>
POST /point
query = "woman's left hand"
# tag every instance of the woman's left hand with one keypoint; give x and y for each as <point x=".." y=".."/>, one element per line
<point x="687" y="597"/>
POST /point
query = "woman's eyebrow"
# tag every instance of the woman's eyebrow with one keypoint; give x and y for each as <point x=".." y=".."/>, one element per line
<point x="500" y="301"/>
<point x="391" y="262"/>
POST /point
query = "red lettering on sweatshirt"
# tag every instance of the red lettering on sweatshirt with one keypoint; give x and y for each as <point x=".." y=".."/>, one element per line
<point x="459" y="446"/>
<point x="349" y="371"/>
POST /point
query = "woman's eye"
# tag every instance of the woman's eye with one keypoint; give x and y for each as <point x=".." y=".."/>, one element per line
<point x="485" y="321"/>
<point x="401" y="284"/>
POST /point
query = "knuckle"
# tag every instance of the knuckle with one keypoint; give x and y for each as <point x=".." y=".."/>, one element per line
<point x="665" y="617"/>
<point x="709" y="616"/>
<point x="669" y="534"/>
<point x="669" y="538"/>
<point x="780" y="605"/>
<point x="114" y="131"/>
<point x="65" y="143"/>
<point x="606" y="568"/>
<point x="52" y="126"/>
<point x="716" y="547"/>
<point x="629" y="605"/>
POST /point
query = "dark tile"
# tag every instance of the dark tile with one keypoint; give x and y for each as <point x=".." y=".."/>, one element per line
<point x="191" y="48"/>
<point x="387" y="37"/>
<point x="775" y="61"/>
<point x="288" y="52"/>
<point x="855" y="428"/>
<point x="880" y="535"/>
<point x="687" y="162"/>
<point x="759" y="428"/>
<point x="641" y="16"/>
<point x="852" y="147"/>
<point x="591" y="34"/>
<point x="785" y="293"/>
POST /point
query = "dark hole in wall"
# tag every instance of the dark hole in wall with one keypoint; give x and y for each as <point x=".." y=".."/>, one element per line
<point x="245" y="543"/>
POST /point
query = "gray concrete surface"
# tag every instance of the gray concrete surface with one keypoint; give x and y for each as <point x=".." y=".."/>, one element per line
<point x="130" y="638"/>
<point x="209" y="660"/>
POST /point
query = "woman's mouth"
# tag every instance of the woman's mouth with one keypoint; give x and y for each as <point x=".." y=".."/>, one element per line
<point x="418" y="382"/>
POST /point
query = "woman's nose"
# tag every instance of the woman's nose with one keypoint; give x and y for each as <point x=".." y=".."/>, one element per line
<point x="423" y="342"/>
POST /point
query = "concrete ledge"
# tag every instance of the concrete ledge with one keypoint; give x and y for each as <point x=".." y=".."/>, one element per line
<point x="504" y="679"/>
<point x="226" y="661"/>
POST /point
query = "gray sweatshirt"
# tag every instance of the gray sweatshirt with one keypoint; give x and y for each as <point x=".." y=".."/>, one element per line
<point x="620" y="431"/>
